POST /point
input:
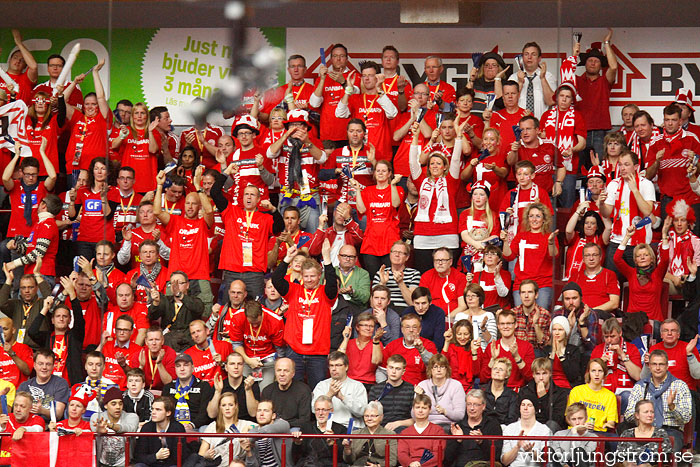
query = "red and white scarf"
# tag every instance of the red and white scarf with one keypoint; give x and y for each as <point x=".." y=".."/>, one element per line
<point x="635" y="146"/>
<point x="566" y="139"/>
<point x="577" y="256"/>
<point x="681" y="250"/>
<point x="640" y="235"/>
<point x="428" y="189"/>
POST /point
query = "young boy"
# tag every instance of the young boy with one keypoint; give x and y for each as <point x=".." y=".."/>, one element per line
<point x="77" y="404"/>
<point x="570" y="453"/>
<point x="520" y="197"/>
<point x="137" y="399"/>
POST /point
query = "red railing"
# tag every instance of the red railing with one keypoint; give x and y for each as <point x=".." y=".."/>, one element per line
<point x="288" y="436"/>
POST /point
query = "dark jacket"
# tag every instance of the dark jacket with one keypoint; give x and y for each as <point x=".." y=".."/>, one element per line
<point x="145" y="448"/>
<point x="142" y="407"/>
<point x="551" y="406"/>
<point x="573" y="364"/>
<point x="13" y="310"/>
<point x="177" y="329"/>
<point x="293" y="405"/>
<point x="432" y="324"/>
<point x="397" y="403"/>
<point x="199" y="396"/>
<point x="39" y="332"/>
<point x="469" y="450"/>
<point x="505" y="408"/>
<point x="316" y="451"/>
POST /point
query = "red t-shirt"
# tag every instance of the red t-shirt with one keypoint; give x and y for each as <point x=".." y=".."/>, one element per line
<point x="518" y="378"/>
<point x="247" y="174"/>
<point x="332" y="127"/>
<point x="504" y="121"/>
<point x="401" y="157"/>
<point x="89" y="134"/>
<point x="113" y="371"/>
<point x="259" y="342"/>
<point x="205" y="368"/>
<point x="274" y="96"/>
<point x="93" y="225"/>
<point x="189" y="251"/>
<point x="211" y="136"/>
<point x="431" y="228"/>
<point x="367" y="108"/>
<point x="245" y="243"/>
<point x="93" y="321"/>
<point x="34" y="135"/>
<point x="382" y="229"/>
<point x="595" y="101"/>
<point x="448" y="91"/>
<point x="522" y="198"/>
<point x="45" y="229"/>
<point x="678" y="362"/>
<point x="25" y="84"/>
<point x="300" y="239"/>
<point x="596" y="289"/>
<point x="574" y="253"/>
<point x="617" y="377"/>
<point x="18" y="224"/>
<point x="138" y="312"/>
<point x="361" y="367"/>
<point x="150" y="368"/>
<point x="223" y="324"/>
<point x="674" y="164"/>
<point x="8" y="368"/>
<point x="487" y="282"/>
<point x="415" y="368"/>
<point x="533" y="261"/>
<point x="562" y="129"/>
<point x="135" y="154"/>
<point x="141" y="293"/>
<point x="308" y="305"/>
<point x="497" y="185"/>
<point x="444" y="290"/>
<point x="543" y="158"/>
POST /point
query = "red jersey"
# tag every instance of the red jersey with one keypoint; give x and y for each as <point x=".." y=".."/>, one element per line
<point x="113" y="371"/>
<point x="151" y="368"/>
<point x="205" y="368"/>
<point x="8" y="368"/>
<point x="596" y="289"/>
<point x="18" y="224"/>
<point x="533" y="261"/>
<point x="487" y="282"/>
<point x="574" y="253"/>
<point x="359" y="165"/>
<point x="401" y="157"/>
<point x="617" y="378"/>
<point x="247" y="174"/>
<point x="415" y="368"/>
<point x="542" y="156"/>
<point x="391" y="87"/>
<point x="304" y="306"/>
<point x="93" y="321"/>
<point x="519" y="199"/>
<point x="88" y="139"/>
<point x="259" y="342"/>
<point x="678" y="362"/>
<point x="47" y="230"/>
<point x="376" y="113"/>
<point x="135" y="154"/>
<point x="382" y="228"/>
<point x="672" y="172"/>
<point x="189" y="251"/>
<point x="223" y="324"/>
<point x="273" y="97"/>
<point x="125" y="212"/>
<point x="448" y="91"/>
<point x="332" y="127"/>
<point x="50" y="132"/>
<point x="299" y="239"/>
<point x="518" y="378"/>
<point x="25" y="84"/>
<point x="94" y="226"/>
<point x="361" y="367"/>
<point x="75" y="99"/>
<point x="173" y="144"/>
<point x="245" y="243"/>
<point x="562" y="128"/>
<point x="497" y="185"/>
<point x="430" y="227"/>
<point x="444" y="290"/>
<point x="504" y="121"/>
<point x="138" y="312"/>
<point x="211" y="135"/>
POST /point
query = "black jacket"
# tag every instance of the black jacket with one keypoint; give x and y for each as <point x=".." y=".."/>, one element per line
<point x="468" y="450"/>
<point x="315" y="451"/>
<point x="551" y="406"/>
<point x="198" y="397"/>
<point x="573" y="364"/>
<point x="145" y="448"/>
<point x="505" y="408"/>
<point x="74" y="341"/>
<point x="142" y="408"/>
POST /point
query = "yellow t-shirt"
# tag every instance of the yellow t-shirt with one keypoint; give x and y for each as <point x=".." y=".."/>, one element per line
<point x="601" y="405"/>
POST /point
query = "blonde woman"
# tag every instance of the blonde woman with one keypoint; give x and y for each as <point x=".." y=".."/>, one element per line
<point x="490" y="167"/>
<point x="217" y="449"/>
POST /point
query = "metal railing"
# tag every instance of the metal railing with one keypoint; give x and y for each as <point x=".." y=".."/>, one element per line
<point x="438" y="455"/>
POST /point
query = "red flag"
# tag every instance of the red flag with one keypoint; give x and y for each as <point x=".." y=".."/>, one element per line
<point x="48" y="449"/>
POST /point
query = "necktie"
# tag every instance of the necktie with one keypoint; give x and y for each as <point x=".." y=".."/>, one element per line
<point x="530" y="96"/>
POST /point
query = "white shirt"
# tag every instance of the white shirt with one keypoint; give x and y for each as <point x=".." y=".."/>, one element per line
<point x="540" y="106"/>
<point x="352" y="405"/>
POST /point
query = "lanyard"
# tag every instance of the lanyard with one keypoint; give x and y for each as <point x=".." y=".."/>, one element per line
<point x="165" y="202"/>
<point x="355" y="153"/>
<point x="152" y="367"/>
<point x="128" y="208"/>
<point x="344" y="280"/>
<point x="437" y="89"/>
<point x="393" y="81"/>
<point x="253" y="334"/>
<point x="178" y="307"/>
<point x="299" y="91"/>
<point x="309" y="298"/>
<point x="368" y="109"/>
<point x="248" y="222"/>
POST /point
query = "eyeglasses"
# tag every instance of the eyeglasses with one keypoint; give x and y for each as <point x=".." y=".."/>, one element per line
<point x="371" y="415"/>
<point x="491" y="253"/>
<point x="440" y="260"/>
<point x="398" y="252"/>
<point x="125" y="178"/>
<point x="347" y="256"/>
<point x="319" y="409"/>
<point x="277" y="118"/>
<point x="30" y="174"/>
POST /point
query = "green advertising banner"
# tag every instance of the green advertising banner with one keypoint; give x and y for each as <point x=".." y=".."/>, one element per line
<point x="165" y="66"/>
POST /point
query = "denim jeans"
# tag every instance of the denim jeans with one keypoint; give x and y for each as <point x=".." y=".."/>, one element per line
<point x="313" y="367"/>
<point x="254" y="284"/>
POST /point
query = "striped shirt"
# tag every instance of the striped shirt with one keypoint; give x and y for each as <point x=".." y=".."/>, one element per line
<point x="411" y="277"/>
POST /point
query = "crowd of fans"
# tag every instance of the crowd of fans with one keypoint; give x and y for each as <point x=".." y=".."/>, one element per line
<point x="360" y="254"/>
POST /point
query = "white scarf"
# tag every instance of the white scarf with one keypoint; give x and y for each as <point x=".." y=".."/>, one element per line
<point x="442" y="210"/>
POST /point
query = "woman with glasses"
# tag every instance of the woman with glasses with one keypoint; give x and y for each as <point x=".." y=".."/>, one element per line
<point x="591" y="229"/>
<point x="371" y="452"/>
<point x="535" y="248"/>
<point x="446" y="394"/>
<point x="485" y="78"/>
<point x="484" y="322"/>
<point x="365" y="351"/>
